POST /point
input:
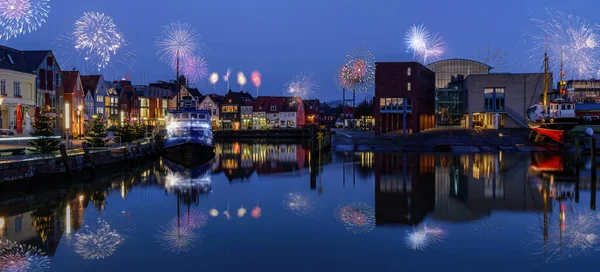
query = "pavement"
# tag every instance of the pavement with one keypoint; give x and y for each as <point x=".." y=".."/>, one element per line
<point x="438" y="140"/>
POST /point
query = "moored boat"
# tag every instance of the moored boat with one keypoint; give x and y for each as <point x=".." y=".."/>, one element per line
<point x="189" y="138"/>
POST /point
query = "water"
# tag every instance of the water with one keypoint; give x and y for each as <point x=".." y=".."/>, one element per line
<point x="271" y="207"/>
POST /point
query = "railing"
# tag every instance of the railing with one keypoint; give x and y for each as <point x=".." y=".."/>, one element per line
<point x="19" y="139"/>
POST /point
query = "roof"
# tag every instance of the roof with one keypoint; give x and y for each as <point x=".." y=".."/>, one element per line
<point x="291" y="104"/>
<point x="89" y="82"/>
<point x="194" y="92"/>
<point x="452" y="60"/>
<point x="69" y="81"/>
<point x="216" y="98"/>
<point x="36" y="57"/>
<point x="311" y="104"/>
<point x="19" y="62"/>
<point x="238" y="97"/>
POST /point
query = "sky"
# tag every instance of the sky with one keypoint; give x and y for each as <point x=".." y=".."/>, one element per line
<point x="284" y="38"/>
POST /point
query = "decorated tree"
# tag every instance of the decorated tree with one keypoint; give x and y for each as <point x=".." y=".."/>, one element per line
<point x="97" y="131"/>
<point x="128" y="132"/>
<point x="43" y="130"/>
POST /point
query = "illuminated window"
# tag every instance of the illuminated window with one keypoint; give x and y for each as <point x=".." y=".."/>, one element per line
<point x="408" y="72"/>
<point x="408" y="86"/>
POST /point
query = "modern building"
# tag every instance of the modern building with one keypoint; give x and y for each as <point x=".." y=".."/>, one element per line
<point x="450" y="90"/>
<point x="404" y="97"/>
<point x="583" y="91"/>
<point x="488" y="95"/>
<point x="17" y="92"/>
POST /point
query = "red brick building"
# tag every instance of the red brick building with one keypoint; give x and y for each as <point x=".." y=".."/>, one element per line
<point x="73" y="95"/>
<point x="403" y="91"/>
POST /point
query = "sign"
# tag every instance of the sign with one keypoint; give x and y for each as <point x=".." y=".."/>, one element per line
<point x="320" y="135"/>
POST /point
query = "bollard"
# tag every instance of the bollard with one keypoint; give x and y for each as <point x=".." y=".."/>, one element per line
<point x="65" y="157"/>
<point x="87" y="155"/>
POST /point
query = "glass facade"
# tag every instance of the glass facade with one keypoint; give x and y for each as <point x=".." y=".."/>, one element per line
<point x="450" y="89"/>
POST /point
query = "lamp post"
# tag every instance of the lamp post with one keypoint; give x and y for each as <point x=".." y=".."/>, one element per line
<point x="79" y="121"/>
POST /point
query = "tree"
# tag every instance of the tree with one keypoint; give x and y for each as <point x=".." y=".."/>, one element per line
<point x="363" y="109"/>
<point x="43" y="130"/>
<point x="97" y="131"/>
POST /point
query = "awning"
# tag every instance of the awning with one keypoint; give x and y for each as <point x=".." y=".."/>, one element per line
<point x="16" y="101"/>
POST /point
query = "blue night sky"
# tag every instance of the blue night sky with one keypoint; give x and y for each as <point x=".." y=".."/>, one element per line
<point x="285" y="38"/>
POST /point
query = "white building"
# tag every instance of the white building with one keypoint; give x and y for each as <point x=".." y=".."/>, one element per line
<point x="211" y="102"/>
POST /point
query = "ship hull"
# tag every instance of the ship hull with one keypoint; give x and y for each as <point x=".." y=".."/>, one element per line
<point x="189" y="153"/>
<point x="557" y="130"/>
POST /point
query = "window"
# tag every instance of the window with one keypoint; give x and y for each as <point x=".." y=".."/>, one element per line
<point x="17" y="88"/>
<point x="273" y="107"/>
<point x="60" y="103"/>
<point x="3" y="87"/>
<point x="99" y="98"/>
<point x="408" y="87"/>
<point x="493" y="99"/>
<point x="408" y="72"/>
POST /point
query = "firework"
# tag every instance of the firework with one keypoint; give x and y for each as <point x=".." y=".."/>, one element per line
<point x="226" y="77"/>
<point x="96" y="34"/>
<point x="425" y="46"/>
<point x="256" y="212"/>
<point x="213" y="212"/>
<point x="572" y="37"/>
<point x="303" y="85"/>
<point x="15" y="257"/>
<point x="570" y="233"/>
<point x="358" y="71"/>
<point x="195" y="69"/>
<point x="194" y="219"/>
<point x="97" y="243"/>
<point x="22" y="16"/>
<point x="256" y="80"/>
<point x="241" y="78"/>
<point x="299" y="203"/>
<point x="423" y="236"/>
<point x="493" y="57"/>
<point x="177" y="237"/>
<point x="341" y="74"/>
<point x="214" y="78"/>
<point x="178" y="41"/>
<point x="241" y="212"/>
<point x="358" y="218"/>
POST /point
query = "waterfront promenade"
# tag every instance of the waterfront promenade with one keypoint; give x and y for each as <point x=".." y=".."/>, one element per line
<point x="439" y="140"/>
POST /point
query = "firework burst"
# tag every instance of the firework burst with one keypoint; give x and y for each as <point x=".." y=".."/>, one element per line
<point x="226" y="77"/>
<point x="241" y="78"/>
<point x="97" y="243"/>
<point x="358" y="218"/>
<point x="22" y="16"/>
<point x="96" y="34"/>
<point x="194" y="219"/>
<point x="570" y="234"/>
<point x="256" y="79"/>
<point x="423" y="236"/>
<point x="177" y="237"/>
<point x="15" y="257"/>
<point x="195" y="69"/>
<point x="178" y="41"/>
<point x="576" y="39"/>
<point x="358" y="70"/>
<point x="425" y="46"/>
<point x="214" y="78"/>
<point x="303" y="85"/>
<point x="299" y="203"/>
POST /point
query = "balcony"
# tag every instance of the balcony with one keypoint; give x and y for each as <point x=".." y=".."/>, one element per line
<point x="395" y="109"/>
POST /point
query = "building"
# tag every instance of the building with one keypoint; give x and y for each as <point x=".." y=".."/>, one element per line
<point x="488" y="95"/>
<point x="49" y="82"/>
<point x="292" y="113"/>
<point x="231" y="108"/>
<point x="312" y="109"/>
<point x="583" y="91"/>
<point x="450" y="90"/>
<point x="259" y="112"/>
<point x="17" y="91"/>
<point x="129" y="106"/>
<point x="111" y="101"/>
<point x="184" y="91"/>
<point x="153" y="104"/>
<point x="246" y="115"/>
<point x="404" y="97"/>
<point x="212" y="102"/>
<point x="73" y="99"/>
<point x="97" y="86"/>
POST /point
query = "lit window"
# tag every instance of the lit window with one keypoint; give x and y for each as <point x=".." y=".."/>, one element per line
<point x="408" y="72"/>
<point x="408" y="86"/>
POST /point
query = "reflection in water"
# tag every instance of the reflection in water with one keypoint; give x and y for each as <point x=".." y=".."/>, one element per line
<point x="16" y="257"/>
<point x="423" y="236"/>
<point x="177" y="237"/>
<point x="195" y="219"/>
<point x="97" y="242"/>
<point x="358" y="218"/>
<point x="299" y="203"/>
<point x="256" y="212"/>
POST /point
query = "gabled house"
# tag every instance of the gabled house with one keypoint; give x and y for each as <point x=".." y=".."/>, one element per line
<point x="246" y="111"/>
<point x="183" y="92"/>
<point x="73" y="98"/>
<point x="211" y="102"/>
<point x="231" y="108"/>
<point x="129" y="105"/>
<point x="49" y="82"/>
<point x="266" y="111"/>
<point x="17" y="92"/>
<point x="312" y="110"/>
<point x="292" y="113"/>
<point x="111" y="101"/>
<point x="98" y="88"/>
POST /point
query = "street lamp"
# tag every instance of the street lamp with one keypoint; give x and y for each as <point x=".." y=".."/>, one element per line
<point x="79" y="121"/>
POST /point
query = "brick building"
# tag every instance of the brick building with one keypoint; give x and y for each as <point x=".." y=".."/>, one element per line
<point x="403" y="91"/>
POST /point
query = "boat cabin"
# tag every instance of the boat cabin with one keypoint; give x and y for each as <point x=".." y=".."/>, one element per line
<point x="560" y="108"/>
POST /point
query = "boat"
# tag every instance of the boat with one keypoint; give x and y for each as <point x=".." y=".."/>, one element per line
<point x="552" y="120"/>
<point x="180" y="179"/>
<point x="189" y="138"/>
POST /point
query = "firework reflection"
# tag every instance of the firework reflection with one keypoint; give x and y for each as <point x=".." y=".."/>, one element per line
<point x="299" y="203"/>
<point x="97" y="243"/>
<point x="16" y="257"/>
<point x="423" y="236"/>
<point x="357" y="218"/>
<point x="177" y="237"/>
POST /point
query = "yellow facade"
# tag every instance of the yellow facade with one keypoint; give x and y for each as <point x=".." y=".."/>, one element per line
<point x="16" y="88"/>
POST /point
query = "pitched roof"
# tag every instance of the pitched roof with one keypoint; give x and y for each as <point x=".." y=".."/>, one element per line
<point x="264" y="103"/>
<point x="89" y="82"/>
<point x="194" y="92"/>
<point x="238" y="97"/>
<point x="69" y="81"/>
<point x="217" y="98"/>
<point x="15" y="60"/>
<point x="291" y="103"/>
<point x="35" y="58"/>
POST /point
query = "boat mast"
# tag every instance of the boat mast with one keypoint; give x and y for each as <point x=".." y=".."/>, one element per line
<point x="560" y="81"/>
<point x="545" y="100"/>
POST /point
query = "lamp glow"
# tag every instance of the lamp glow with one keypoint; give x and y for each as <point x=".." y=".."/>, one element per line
<point x="67" y="116"/>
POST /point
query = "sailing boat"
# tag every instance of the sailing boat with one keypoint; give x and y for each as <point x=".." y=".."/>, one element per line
<point x="552" y="121"/>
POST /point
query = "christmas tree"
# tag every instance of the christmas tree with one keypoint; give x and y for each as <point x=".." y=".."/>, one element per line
<point x="96" y="132"/>
<point x="43" y="129"/>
